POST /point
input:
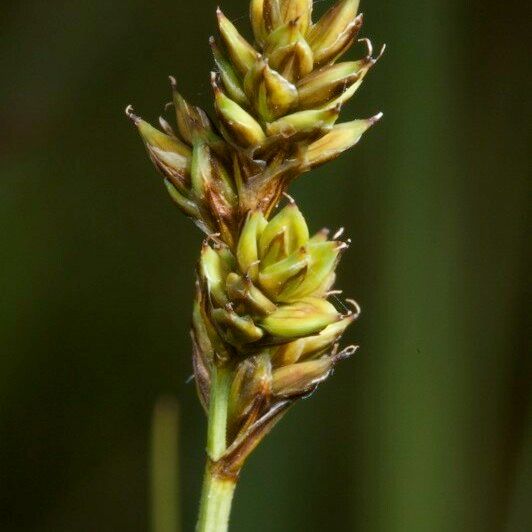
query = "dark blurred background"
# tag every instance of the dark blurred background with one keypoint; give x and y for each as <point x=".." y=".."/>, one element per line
<point x="427" y="429"/>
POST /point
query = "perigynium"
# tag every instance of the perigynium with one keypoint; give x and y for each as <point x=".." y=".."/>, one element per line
<point x="265" y="332"/>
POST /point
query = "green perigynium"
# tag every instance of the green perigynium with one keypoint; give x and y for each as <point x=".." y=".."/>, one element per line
<point x="265" y="331"/>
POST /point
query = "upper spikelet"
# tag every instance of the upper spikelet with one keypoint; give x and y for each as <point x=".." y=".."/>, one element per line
<point x="277" y="102"/>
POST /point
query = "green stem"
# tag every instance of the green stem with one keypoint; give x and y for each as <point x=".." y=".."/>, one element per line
<point x="215" y="507"/>
<point x="217" y="491"/>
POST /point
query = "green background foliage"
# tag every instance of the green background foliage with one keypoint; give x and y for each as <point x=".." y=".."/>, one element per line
<point x="426" y="429"/>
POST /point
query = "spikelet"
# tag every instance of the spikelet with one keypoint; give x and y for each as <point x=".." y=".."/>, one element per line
<point x="277" y="103"/>
<point x="267" y="302"/>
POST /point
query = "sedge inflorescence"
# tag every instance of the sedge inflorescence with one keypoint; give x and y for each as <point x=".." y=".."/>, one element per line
<point x="264" y="284"/>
